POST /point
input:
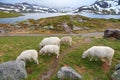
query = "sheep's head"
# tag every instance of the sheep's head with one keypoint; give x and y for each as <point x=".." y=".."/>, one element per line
<point x="18" y="58"/>
<point x="84" y="55"/>
<point x="40" y="45"/>
<point x="40" y="52"/>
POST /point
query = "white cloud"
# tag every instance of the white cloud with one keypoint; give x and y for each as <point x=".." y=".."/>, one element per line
<point x="55" y="3"/>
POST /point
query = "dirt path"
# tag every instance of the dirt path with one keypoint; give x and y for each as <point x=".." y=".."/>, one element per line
<point x="54" y="65"/>
<point x="83" y="34"/>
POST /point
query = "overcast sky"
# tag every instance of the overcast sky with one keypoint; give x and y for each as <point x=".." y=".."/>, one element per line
<point x="54" y="3"/>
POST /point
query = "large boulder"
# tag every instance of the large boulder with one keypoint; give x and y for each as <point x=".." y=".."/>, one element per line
<point x="68" y="73"/>
<point x="117" y="67"/>
<point x="112" y="33"/>
<point x="13" y="70"/>
<point x="116" y="75"/>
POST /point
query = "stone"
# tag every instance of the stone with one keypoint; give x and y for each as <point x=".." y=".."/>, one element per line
<point x="13" y="70"/>
<point x="112" y="33"/>
<point x="117" y="67"/>
<point x="77" y="28"/>
<point x="116" y="75"/>
<point x="68" y="73"/>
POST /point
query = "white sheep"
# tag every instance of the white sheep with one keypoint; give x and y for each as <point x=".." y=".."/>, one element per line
<point x="48" y="49"/>
<point x="102" y="52"/>
<point x="66" y="40"/>
<point x="49" y="41"/>
<point x="28" y="55"/>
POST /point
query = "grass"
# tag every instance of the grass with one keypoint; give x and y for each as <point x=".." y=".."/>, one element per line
<point x="80" y="21"/>
<point x="8" y="15"/>
<point x="83" y="23"/>
<point x="11" y="47"/>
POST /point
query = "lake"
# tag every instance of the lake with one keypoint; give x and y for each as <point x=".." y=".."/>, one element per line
<point x="45" y="15"/>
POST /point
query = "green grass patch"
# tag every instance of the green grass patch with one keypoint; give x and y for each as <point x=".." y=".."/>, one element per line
<point x="11" y="47"/>
<point x="8" y="15"/>
<point x="92" y="70"/>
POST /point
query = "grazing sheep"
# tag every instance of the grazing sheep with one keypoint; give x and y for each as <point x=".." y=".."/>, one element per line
<point x="102" y="52"/>
<point x="50" y="49"/>
<point x="66" y="40"/>
<point x="28" y="55"/>
<point x="49" y="41"/>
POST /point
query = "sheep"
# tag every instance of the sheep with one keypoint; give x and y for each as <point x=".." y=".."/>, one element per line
<point x="50" y="49"/>
<point x="66" y="40"/>
<point x="102" y="52"/>
<point x="28" y="55"/>
<point x="49" y="41"/>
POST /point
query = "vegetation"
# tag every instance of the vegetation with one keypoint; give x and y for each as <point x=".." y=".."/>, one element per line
<point x="7" y="15"/>
<point x="11" y="47"/>
<point x="54" y="25"/>
<point x="82" y="22"/>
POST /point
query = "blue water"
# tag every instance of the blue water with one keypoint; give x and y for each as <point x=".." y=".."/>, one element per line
<point x="30" y="16"/>
<point x="45" y="15"/>
<point x="92" y="15"/>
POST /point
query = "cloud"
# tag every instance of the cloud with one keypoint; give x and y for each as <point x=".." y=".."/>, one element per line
<point x="54" y="3"/>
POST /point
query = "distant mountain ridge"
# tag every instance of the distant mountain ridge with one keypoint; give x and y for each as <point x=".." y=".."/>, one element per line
<point x="25" y="8"/>
<point x="102" y="7"/>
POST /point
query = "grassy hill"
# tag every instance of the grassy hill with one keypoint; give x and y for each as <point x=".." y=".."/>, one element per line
<point x="56" y="24"/>
<point x="8" y="15"/>
<point x="11" y="47"/>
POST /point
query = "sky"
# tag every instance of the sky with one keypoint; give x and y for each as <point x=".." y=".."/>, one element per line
<point x="54" y="3"/>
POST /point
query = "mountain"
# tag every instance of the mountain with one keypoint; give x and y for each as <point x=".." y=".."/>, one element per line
<point x="66" y="9"/>
<point x="25" y="8"/>
<point x="102" y="7"/>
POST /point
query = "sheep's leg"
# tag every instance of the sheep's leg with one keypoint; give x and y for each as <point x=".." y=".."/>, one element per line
<point x="59" y="44"/>
<point x="95" y="58"/>
<point x="70" y="43"/>
<point x="91" y="59"/>
<point x="109" y="61"/>
<point x="49" y="54"/>
<point x="36" y="60"/>
<point x="57" y="55"/>
<point x="43" y="53"/>
<point x="30" y="60"/>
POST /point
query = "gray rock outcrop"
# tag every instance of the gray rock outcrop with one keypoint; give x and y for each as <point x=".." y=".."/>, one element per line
<point x="116" y="74"/>
<point x="13" y="70"/>
<point x="68" y="73"/>
<point x="112" y="33"/>
<point x="117" y="67"/>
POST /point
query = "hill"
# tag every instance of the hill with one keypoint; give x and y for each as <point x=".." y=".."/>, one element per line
<point x="61" y="25"/>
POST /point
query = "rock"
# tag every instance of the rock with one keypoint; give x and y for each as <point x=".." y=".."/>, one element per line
<point x="77" y="28"/>
<point x="68" y="73"/>
<point x="117" y="67"/>
<point x="13" y="70"/>
<point x="67" y="28"/>
<point x="102" y="4"/>
<point x="116" y="75"/>
<point x="112" y="33"/>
